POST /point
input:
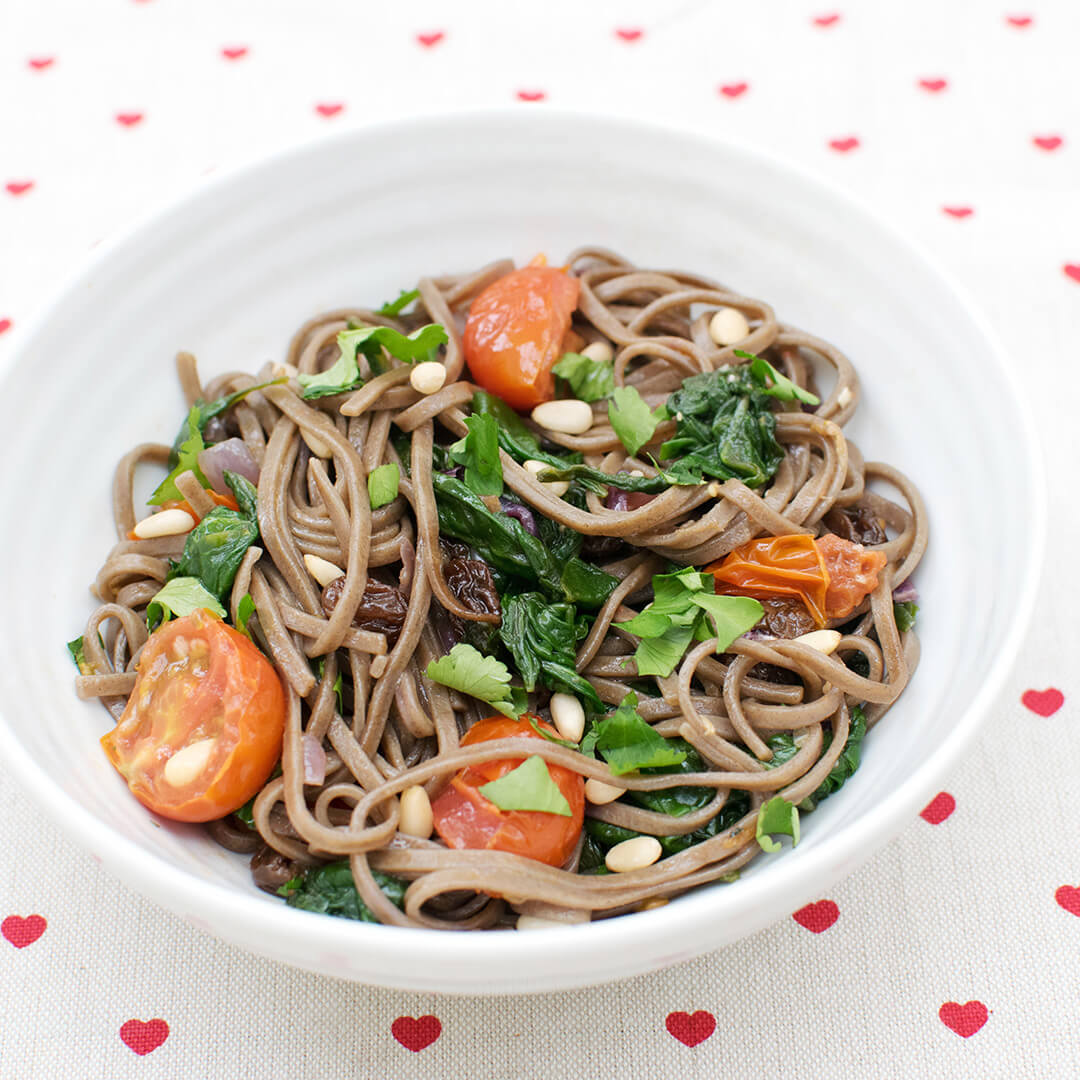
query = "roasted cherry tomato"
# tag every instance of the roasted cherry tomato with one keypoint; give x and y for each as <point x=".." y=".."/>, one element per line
<point x="465" y="819"/>
<point x="202" y="729"/>
<point x="831" y="576"/>
<point x="515" y="331"/>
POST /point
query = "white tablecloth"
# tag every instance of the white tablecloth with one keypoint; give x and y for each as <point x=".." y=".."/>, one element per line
<point x="955" y="952"/>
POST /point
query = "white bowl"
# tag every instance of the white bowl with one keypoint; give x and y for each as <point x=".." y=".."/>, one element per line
<point x="229" y="272"/>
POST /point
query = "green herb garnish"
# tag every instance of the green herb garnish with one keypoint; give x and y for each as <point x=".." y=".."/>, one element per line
<point x="777" y="817"/>
<point x="633" y="421"/>
<point x="590" y="380"/>
<point x="479" y="676"/>
<point x="478" y="451"/>
<point x="382" y="484"/>
<point x="528" y="787"/>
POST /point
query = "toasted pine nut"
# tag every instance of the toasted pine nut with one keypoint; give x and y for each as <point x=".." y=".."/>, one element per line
<point x="600" y="794"/>
<point x="428" y="377"/>
<point x="633" y="854"/>
<point x="378" y="666"/>
<point x="416" y="818"/>
<point x="844" y="397"/>
<point x="322" y="570"/>
<point x="568" y="716"/>
<point x="534" y="922"/>
<point x="713" y="490"/>
<point x="556" y="487"/>
<point x="600" y="351"/>
<point x="825" y="641"/>
<point x="728" y="326"/>
<point x="653" y="902"/>
<point x="570" y="416"/>
<point x="188" y="762"/>
<point x="164" y="523"/>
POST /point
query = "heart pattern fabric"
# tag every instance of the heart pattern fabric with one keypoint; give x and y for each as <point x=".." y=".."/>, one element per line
<point x="691" y="1029"/>
<point x="142" y="1037"/>
<point x="965" y="1019"/>
<point x="416" y="1033"/>
<point x="22" y="932"/>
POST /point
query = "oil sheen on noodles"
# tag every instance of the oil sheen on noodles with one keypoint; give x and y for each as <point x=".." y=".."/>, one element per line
<point x="397" y="729"/>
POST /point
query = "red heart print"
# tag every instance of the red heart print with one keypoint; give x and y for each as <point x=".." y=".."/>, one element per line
<point x="826" y="20"/>
<point x="1047" y="142"/>
<point x="1019" y="21"/>
<point x="40" y="63"/>
<point x="5" y="325"/>
<point x="416" y="1034"/>
<point x="236" y="52"/>
<point x="734" y="90"/>
<point x="691" y="1028"/>
<point x="19" y="187"/>
<point x="842" y="146"/>
<point x="1044" y="702"/>
<point x="1072" y="270"/>
<point x="933" y="86"/>
<point x="817" y="918"/>
<point x="629" y="34"/>
<point x="19" y="931"/>
<point x="1068" y="897"/>
<point x="965" y="1020"/>
<point x="958" y="211"/>
<point x="329" y="109"/>
<point x="938" y="808"/>
<point x="142" y="1037"/>
<point x="431" y="39"/>
<point x="129" y="119"/>
<point x="531" y="95"/>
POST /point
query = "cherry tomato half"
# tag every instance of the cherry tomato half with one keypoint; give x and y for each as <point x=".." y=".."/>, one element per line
<point x="465" y="819"/>
<point x="202" y="729"/>
<point x="515" y="330"/>
<point x="853" y="573"/>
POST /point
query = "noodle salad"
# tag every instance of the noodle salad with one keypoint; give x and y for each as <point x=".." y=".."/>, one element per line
<point x="533" y="596"/>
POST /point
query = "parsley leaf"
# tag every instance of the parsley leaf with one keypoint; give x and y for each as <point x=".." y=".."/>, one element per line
<point x="628" y="743"/>
<point x="187" y="457"/>
<point x="478" y="451"/>
<point x="589" y="379"/>
<point x="181" y="596"/>
<point x="776" y="385"/>
<point x="528" y="787"/>
<point x="634" y="422"/>
<point x="393" y="308"/>
<point x="369" y="341"/>
<point x="382" y="484"/>
<point x="479" y="676"/>
<point x="777" y="816"/>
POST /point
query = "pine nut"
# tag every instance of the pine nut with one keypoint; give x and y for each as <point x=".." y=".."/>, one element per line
<point x="556" y="487"/>
<point x="284" y="371"/>
<point x="825" y="641"/>
<point x="652" y="903"/>
<point x="428" y="377"/>
<point x="713" y="490"/>
<point x="569" y="416"/>
<point x="322" y="570"/>
<point x="188" y="762"/>
<point x="416" y="818"/>
<point x="164" y="523"/>
<point x="568" y="715"/>
<point x="600" y="794"/>
<point x="600" y="351"/>
<point x="844" y="397"/>
<point x="633" y="854"/>
<point x="534" y="922"/>
<point x="378" y="666"/>
<point x="728" y="326"/>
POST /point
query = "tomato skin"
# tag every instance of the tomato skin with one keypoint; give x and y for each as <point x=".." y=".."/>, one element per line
<point x="465" y="819"/>
<point x="199" y="679"/>
<point x="853" y="573"/>
<point x="515" y="330"/>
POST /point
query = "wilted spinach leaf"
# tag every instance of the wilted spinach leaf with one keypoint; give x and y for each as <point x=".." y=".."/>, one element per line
<point x="330" y="890"/>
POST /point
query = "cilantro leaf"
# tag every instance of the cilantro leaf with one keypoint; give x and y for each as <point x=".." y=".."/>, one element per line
<point x="628" y="743"/>
<point x="589" y="379"/>
<point x="634" y="422"/>
<point x="731" y="616"/>
<point x="776" y="385"/>
<point x="777" y="816"/>
<point x="479" y="676"/>
<point x="528" y="787"/>
<point x="382" y="484"/>
<point x="181" y="596"/>
<point x="478" y="451"/>
<point x="393" y="308"/>
<point x="344" y="375"/>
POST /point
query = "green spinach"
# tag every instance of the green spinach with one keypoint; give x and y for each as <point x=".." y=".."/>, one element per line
<point x="330" y="890"/>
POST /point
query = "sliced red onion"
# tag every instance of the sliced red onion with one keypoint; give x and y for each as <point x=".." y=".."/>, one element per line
<point x="521" y="513"/>
<point x="617" y="499"/>
<point x="233" y="455"/>
<point x="408" y="565"/>
<point x="905" y="593"/>
<point x="314" y="760"/>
